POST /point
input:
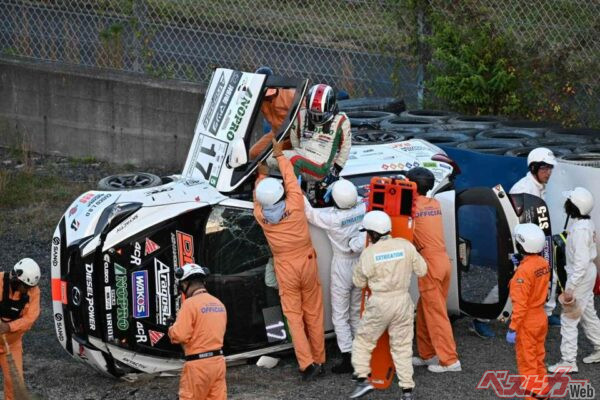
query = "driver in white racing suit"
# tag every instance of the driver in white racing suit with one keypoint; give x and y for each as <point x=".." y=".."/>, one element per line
<point x="342" y="223"/>
<point x="320" y="136"/>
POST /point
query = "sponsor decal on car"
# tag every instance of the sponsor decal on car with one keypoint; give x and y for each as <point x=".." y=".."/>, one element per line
<point x="213" y="101"/>
<point x="72" y="211"/>
<point x="75" y="225"/>
<point x="121" y="294"/>
<point x="108" y="298"/>
<point x="157" y="191"/>
<point x="60" y="329"/>
<point x="234" y="80"/>
<point x="430" y="164"/>
<point x="126" y="223"/>
<point x="106" y="266"/>
<point x="163" y="292"/>
<point x="96" y="202"/>
<point x="139" y="282"/>
<point x="55" y="251"/>
<point x="136" y="257"/>
<point x="239" y="114"/>
<point x="185" y="248"/>
<point x="150" y="247"/>
<point x="86" y="197"/>
<point x="110" y="334"/>
<point x="155" y="336"/>
<point x="140" y="335"/>
<point x="89" y="295"/>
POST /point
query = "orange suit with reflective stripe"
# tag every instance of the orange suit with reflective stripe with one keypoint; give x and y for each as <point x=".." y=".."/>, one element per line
<point x="14" y="337"/>
<point x="199" y="328"/>
<point x="434" y="332"/>
<point x="528" y="293"/>
<point x="274" y="108"/>
<point x="295" y="263"/>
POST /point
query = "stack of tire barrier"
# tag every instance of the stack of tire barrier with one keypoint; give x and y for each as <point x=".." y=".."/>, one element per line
<point x="385" y="120"/>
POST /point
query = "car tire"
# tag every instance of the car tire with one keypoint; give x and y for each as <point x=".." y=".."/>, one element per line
<point x="524" y="151"/>
<point x="475" y="122"/>
<point x="566" y="141"/>
<point x="490" y="146"/>
<point x="132" y="181"/>
<point x="389" y="104"/>
<point x="538" y="126"/>
<point x="368" y="118"/>
<point x="375" y="136"/>
<point x="402" y="124"/>
<point x="507" y="134"/>
<point x="589" y="133"/>
<point x="444" y="138"/>
<point x="583" y="159"/>
<point x="434" y="116"/>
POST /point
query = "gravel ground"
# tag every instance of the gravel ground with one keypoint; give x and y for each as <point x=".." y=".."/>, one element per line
<point x="51" y="373"/>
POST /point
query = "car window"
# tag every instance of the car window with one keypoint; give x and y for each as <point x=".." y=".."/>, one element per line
<point x="479" y="280"/>
<point x="234" y="242"/>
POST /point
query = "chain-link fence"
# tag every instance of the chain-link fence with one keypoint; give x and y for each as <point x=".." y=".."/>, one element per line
<point x="366" y="47"/>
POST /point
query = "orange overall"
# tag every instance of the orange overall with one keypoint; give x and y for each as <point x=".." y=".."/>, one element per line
<point x="295" y="263"/>
<point x="434" y="332"/>
<point x="200" y="328"/>
<point x="18" y="327"/>
<point x="274" y="108"/>
<point x="528" y="292"/>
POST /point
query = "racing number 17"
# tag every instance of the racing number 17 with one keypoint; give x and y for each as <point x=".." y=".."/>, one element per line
<point x="211" y="153"/>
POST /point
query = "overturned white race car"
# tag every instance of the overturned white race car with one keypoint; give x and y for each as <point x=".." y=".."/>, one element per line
<point x="115" y="250"/>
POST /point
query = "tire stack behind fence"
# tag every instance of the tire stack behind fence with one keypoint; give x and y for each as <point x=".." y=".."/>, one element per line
<point x="385" y="120"/>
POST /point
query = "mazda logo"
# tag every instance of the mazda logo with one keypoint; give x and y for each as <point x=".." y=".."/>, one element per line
<point x="76" y="296"/>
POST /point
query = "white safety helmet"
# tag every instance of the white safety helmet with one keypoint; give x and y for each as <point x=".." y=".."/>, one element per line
<point x="344" y="194"/>
<point x="530" y="237"/>
<point x="541" y="155"/>
<point x="581" y="198"/>
<point x="269" y="191"/>
<point x="377" y="221"/>
<point x="27" y="271"/>
<point x="191" y="270"/>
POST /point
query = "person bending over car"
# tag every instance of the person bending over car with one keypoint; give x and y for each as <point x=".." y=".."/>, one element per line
<point x="279" y="210"/>
<point x="320" y="136"/>
<point x="19" y="309"/>
<point x="200" y="329"/>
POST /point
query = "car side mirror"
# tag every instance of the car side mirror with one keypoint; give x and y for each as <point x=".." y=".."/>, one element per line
<point x="238" y="155"/>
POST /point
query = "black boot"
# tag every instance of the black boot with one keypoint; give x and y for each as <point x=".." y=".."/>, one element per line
<point x="344" y="366"/>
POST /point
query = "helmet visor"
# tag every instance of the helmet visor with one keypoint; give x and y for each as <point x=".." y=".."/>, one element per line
<point x="319" y="118"/>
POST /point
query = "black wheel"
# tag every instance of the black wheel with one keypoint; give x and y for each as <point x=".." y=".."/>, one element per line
<point x="589" y="133"/>
<point x="402" y="124"/>
<point x="368" y="118"/>
<point x="508" y="133"/>
<point x="490" y="146"/>
<point x="563" y="141"/>
<point x="584" y="159"/>
<point x="369" y="136"/>
<point x="444" y="138"/>
<point x="475" y="122"/>
<point x="389" y="104"/>
<point x="524" y="151"/>
<point x="429" y="115"/>
<point x="538" y="126"/>
<point x="137" y="180"/>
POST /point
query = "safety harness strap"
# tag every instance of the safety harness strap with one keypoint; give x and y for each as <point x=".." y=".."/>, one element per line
<point x="206" y="354"/>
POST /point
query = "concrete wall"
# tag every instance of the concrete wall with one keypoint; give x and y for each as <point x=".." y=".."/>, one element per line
<point x="112" y="116"/>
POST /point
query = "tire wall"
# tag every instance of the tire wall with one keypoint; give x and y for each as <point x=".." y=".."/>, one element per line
<point x="566" y="177"/>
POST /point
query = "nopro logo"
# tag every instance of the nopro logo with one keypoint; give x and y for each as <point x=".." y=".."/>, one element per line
<point x="139" y="282"/>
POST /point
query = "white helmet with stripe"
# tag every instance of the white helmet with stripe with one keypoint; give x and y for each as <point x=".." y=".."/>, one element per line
<point x="321" y="104"/>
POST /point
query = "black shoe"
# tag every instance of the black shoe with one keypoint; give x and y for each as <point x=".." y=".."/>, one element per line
<point x="363" y="386"/>
<point x="407" y="395"/>
<point x="344" y="366"/>
<point x="355" y="377"/>
<point x="312" y="371"/>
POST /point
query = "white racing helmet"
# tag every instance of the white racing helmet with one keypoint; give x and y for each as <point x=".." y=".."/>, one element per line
<point x="377" y="221"/>
<point x="269" y="191"/>
<point x="344" y="194"/>
<point x="530" y="237"/>
<point x="581" y="198"/>
<point x="191" y="270"/>
<point x="27" y="271"/>
<point x="541" y="155"/>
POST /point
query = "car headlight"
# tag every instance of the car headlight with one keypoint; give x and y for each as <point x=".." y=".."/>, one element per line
<point x="114" y="215"/>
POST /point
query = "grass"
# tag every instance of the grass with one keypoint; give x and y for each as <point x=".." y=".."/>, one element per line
<point x="31" y="204"/>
